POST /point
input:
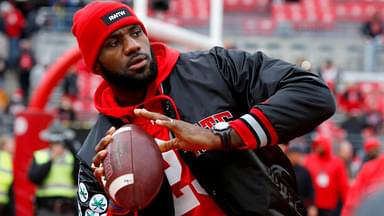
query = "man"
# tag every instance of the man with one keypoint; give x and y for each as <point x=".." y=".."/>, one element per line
<point x="372" y="29"/>
<point x="26" y="61"/>
<point x="54" y="171"/>
<point x="331" y="75"/>
<point x="296" y="153"/>
<point x="234" y="169"/>
<point x="329" y="176"/>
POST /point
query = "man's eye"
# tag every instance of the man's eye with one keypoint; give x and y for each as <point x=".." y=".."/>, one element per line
<point x="136" y="33"/>
<point x="113" y="43"/>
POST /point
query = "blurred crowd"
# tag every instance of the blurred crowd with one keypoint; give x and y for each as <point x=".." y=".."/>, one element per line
<point x="338" y="166"/>
<point x="19" y="66"/>
<point x="54" y="166"/>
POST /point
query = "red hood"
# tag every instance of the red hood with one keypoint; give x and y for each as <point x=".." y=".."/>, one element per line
<point x="104" y="100"/>
<point x="326" y="143"/>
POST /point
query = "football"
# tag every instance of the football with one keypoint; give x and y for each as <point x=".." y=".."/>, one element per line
<point x="133" y="168"/>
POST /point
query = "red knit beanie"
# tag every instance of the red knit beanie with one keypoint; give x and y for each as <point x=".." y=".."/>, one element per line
<point x="93" y="23"/>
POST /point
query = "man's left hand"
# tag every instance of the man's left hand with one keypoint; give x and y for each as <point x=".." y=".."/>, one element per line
<point x="188" y="137"/>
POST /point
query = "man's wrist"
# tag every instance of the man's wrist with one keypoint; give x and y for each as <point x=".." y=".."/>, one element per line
<point x="226" y="139"/>
<point x="229" y="138"/>
<point x="236" y="141"/>
<point x="223" y="130"/>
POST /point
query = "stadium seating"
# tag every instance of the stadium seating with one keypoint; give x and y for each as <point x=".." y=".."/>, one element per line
<point x="265" y="15"/>
<point x="311" y="14"/>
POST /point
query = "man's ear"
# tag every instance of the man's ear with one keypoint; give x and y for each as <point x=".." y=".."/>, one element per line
<point x="97" y="68"/>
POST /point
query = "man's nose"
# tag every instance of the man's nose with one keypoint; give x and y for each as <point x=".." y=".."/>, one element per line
<point x="131" y="45"/>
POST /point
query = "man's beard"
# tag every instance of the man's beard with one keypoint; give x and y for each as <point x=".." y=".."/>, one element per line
<point x="121" y="80"/>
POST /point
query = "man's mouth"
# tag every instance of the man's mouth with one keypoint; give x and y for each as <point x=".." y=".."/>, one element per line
<point x="137" y="62"/>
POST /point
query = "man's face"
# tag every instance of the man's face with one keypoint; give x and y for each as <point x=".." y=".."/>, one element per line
<point x="125" y="59"/>
<point x="319" y="149"/>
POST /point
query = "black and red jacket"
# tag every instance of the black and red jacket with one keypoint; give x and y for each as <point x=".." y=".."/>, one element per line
<point x="267" y="101"/>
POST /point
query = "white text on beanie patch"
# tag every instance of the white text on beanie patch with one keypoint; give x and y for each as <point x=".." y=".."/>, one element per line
<point x="115" y="16"/>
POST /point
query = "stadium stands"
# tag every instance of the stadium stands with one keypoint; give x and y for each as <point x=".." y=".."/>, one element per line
<point x="255" y="19"/>
<point x="314" y="15"/>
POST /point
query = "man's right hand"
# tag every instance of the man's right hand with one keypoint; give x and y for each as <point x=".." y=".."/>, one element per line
<point x="101" y="153"/>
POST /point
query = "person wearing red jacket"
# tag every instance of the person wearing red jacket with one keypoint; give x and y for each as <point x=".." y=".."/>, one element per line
<point x="14" y="23"/>
<point x="367" y="183"/>
<point x="329" y="176"/>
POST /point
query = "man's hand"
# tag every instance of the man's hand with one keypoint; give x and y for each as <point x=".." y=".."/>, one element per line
<point x="187" y="136"/>
<point x="101" y="153"/>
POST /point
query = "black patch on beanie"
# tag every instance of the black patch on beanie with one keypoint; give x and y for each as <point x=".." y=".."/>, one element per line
<point x="116" y="15"/>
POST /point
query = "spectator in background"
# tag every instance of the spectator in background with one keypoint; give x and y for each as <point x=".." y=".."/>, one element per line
<point x="354" y="124"/>
<point x="329" y="176"/>
<point x="374" y="121"/>
<point x="58" y="16"/>
<point x="372" y="147"/>
<point x="368" y="182"/>
<point x="372" y="30"/>
<point x="352" y="98"/>
<point x="345" y="152"/>
<point x="37" y="72"/>
<point x="373" y="107"/>
<point x="70" y="85"/>
<point x="331" y="74"/>
<point x="25" y="65"/>
<point x="304" y="181"/>
<point x="29" y="11"/>
<point x="66" y="112"/>
<point x="6" y="179"/>
<point x="54" y="171"/>
<point x="14" y="23"/>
